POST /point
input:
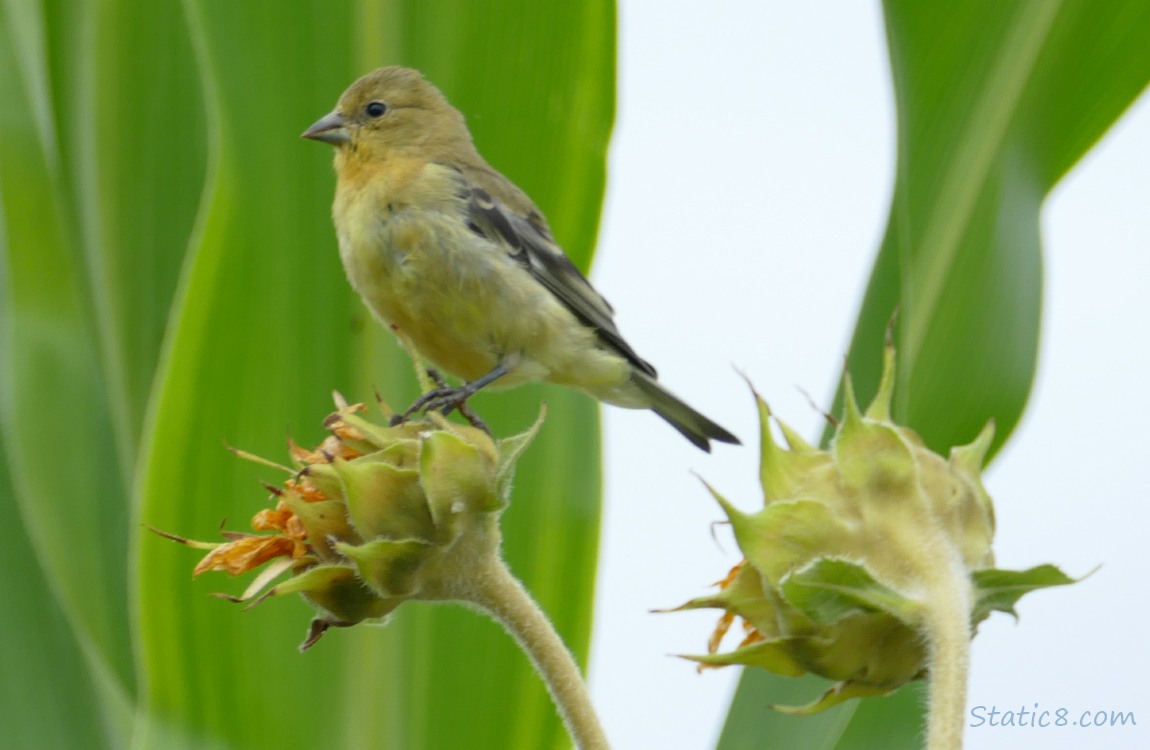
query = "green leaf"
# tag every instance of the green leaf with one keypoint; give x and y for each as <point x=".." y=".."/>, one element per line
<point x="996" y="102"/>
<point x="142" y="168"/>
<point x="762" y="727"/>
<point x="38" y="645"/>
<point x="67" y="479"/>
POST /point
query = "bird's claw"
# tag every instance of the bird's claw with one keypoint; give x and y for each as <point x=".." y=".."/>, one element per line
<point x="445" y="400"/>
<point x="473" y="418"/>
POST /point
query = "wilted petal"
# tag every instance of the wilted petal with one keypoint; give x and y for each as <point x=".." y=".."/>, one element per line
<point x="245" y="554"/>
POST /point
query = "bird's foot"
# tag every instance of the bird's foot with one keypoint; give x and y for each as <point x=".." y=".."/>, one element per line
<point x="445" y="400"/>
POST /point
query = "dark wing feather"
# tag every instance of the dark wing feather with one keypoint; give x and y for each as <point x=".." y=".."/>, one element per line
<point x="530" y="244"/>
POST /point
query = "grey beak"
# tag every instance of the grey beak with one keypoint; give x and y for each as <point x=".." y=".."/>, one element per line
<point x="329" y="129"/>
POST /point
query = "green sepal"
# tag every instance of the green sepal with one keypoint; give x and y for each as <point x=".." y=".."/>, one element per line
<point x="338" y="590"/>
<point x="323" y="521"/>
<point x="879" y="409"/>
<point x="829" y="590"/>
<point x="783" y="472"/>
<point x="789" y="534"/>
<point x="1000" y="590"/>
<point x="773" y="655"/>
<point x="324" y="478"/>
<point x="875" y="458"/>
<point x="458" y="477"/>
<point x="383" y="501"/>
<point x="378" y="436"/>
<point x="840" y="693"/>
<point x="871" y="647"/>
<point x="510" y="449"/>
<point x="746" y="597"/>
<point x="391" y="568"/>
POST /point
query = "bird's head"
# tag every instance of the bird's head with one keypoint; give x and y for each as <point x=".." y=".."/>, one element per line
<point x="391" y="111"/>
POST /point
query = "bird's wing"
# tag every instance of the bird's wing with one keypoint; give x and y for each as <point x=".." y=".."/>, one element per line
<point x="529" y="242"/>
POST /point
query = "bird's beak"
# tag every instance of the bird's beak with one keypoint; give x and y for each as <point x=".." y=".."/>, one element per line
<point x="329" y="129"/>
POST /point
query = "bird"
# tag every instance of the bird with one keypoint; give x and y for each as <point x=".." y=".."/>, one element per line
<point x="456" y="258"/>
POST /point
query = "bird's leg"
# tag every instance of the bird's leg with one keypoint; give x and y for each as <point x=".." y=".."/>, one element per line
<point x="447" y="399"/>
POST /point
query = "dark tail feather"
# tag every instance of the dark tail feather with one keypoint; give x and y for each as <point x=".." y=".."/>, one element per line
<point x="691" y="424"/>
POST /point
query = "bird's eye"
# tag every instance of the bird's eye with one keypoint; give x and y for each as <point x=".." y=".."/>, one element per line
<point x="375" y="109"/>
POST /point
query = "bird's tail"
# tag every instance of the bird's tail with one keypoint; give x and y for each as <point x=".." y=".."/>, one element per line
<point x="694" y="426"/>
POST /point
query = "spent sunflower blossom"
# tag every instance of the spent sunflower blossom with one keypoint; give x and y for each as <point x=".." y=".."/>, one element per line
<point x="870" y="563"/>
<point x="379" y="515"/>
<point x="374" y="516"/>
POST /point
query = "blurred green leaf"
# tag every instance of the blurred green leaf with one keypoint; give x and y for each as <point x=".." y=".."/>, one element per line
<point x="996" y="102"/>
<point x="38" y="645"/>
<point x="142" y="173"/>
<point x="64" y="471"/>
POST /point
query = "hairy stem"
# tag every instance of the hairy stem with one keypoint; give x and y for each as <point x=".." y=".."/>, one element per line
<point x="502" y="596"/>
<point x="948" y="638"/>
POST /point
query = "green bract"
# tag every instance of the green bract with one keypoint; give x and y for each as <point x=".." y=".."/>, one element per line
<point x="842" y="560"/>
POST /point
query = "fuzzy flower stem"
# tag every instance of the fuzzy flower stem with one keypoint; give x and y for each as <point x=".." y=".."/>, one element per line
<point x="948" y="638"/>
<point x="498" y="593"/>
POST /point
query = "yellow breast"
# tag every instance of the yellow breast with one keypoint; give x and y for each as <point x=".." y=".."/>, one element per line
<point x="407" y="251"/>
<point x="462" y="299"/>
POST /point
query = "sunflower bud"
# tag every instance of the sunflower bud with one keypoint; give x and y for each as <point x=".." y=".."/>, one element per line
<point x="374" y="516"/>
<point x="845" y="558"/>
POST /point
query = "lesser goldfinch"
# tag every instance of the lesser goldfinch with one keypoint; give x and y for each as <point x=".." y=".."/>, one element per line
<point x="450" y="252"/>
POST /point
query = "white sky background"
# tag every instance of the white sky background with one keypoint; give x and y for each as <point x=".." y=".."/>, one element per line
<point x="742" y="127"/>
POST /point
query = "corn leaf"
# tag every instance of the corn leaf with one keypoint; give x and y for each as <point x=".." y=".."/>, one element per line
<point x="996" y="102"/>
